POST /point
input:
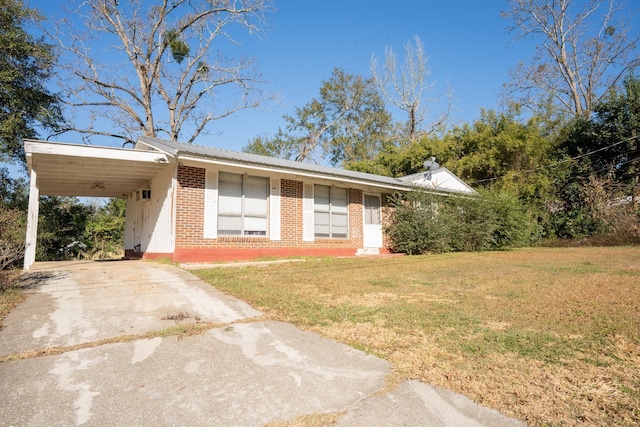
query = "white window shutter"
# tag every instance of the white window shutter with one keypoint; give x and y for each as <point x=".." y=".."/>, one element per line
<point x="307" y="213"/>
<point x="211" y="205"/>
<point x="274" y="210"/>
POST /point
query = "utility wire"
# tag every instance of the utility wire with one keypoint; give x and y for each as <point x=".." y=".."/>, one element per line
<point x="604" y="169"/>
<point x="563" y="161"/>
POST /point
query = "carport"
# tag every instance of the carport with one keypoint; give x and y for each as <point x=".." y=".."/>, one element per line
<point x="62" y="169"/>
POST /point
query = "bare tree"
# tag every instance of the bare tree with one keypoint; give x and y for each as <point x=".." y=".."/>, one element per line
<point x="12" y="244"/>
<point x="406" y="87"/>
<point x="157" y="67"/>
<point x="584" y="48"/>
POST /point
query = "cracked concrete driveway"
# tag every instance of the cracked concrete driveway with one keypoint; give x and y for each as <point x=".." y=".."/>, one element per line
<point x="96" y="343"/>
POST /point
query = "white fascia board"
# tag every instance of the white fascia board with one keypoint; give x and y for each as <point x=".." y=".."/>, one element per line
<point x="454" y="177"/>
<point x="419" y="180"/>
<point x="76" y="150"/>
<point x="296" y="173"/>
<point x="153" y="149"/>
<point x="29" y="159"/>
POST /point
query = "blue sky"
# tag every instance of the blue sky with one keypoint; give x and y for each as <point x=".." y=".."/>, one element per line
<point x="465" y="40"/>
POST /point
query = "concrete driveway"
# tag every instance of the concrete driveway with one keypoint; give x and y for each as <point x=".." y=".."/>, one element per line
<point x="117" y="360"/>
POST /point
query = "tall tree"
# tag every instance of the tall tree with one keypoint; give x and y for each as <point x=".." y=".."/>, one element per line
<point x="502" y="150"/>
<point x="158" y="67"/>
<point x="407" y="87"/>
<point x="583" y="48"/>
<point x="62" y="228"/>
<point x="348" y="122"/>
<point x="25" y="66"/>
<point x="607" y="144"/>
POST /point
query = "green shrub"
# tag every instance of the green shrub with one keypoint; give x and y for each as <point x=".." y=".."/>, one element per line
<point x="421" y="222"/>
<point x="418" y="225"/>
<point x="515" y="225"/>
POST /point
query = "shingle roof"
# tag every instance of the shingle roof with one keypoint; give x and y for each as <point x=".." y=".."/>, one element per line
<point x="179" y="149"/>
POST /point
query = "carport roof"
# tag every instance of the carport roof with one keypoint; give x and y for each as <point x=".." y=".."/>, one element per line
<point x="64" y="169"/>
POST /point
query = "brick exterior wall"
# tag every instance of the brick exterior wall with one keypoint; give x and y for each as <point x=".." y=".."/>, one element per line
<point x="355" y="217"/>
<point x="291" y="211"/>
<point x="190" y="206"/>
<point x="190" y="220"/>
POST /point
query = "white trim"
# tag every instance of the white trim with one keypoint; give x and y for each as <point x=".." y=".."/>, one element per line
<point x="174" y="206"/>
<point x="274" y="209"/>
<point x="211" y="205"/>
<point x="434" y="180"/>
<point x="32" y="221"/>
<point x="308" y="234"/>
<point x="372" y="233"/>
<point x="79" y="150"/>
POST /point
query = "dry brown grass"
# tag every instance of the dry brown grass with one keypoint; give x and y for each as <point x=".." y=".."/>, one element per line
<point x="9" y="298"/>
<point x="549" y="336"/>
<point x="312" y="420"/>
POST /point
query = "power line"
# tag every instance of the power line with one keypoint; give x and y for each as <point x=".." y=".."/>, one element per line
<point x="564" y="160"/>
<point x="607" y="168"/>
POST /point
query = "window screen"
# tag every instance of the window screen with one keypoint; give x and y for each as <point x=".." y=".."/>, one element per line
<point x="371" y="209"/>
<point x="242" y="204"/>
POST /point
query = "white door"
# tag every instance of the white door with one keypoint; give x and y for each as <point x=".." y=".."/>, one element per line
<point x="372" y="232"/>
<point x="138" y="227"/>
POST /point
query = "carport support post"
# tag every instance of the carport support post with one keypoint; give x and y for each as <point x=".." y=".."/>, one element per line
<point x="32" y="221"/>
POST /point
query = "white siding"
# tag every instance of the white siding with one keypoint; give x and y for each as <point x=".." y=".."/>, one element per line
<point x="32" y="221"/>
<point x="441" y="179"/>
<point x="157" y="230"/>
<point x="211" y="205"/>
<point x="130" y="222"/>
<point x="274" y="210"/>
<point x="307" y="213"/>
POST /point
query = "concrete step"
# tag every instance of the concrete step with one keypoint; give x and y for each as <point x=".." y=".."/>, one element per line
<point x="368" y="251"/>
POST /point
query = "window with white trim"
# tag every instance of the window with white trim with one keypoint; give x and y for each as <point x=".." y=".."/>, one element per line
<point x="330" y="212"/>
<point x="242" y="205"/>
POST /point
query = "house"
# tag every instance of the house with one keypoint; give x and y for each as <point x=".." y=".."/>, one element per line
<point x="190" y="203"/>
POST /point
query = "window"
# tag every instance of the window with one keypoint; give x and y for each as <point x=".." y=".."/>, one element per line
<point x="371" y="209"/>
<point x="242" y="205"/>
<point x="330" y="212"/>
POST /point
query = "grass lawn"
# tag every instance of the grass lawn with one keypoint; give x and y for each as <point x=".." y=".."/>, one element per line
<point x="548" y="336"/>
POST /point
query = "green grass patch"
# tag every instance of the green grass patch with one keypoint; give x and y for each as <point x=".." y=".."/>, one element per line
<point x="383" y="283"/>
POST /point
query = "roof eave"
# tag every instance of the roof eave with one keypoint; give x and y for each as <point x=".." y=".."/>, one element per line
<point x="297" y="171"/>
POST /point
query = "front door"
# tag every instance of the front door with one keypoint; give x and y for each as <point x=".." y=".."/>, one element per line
<point x="372" y="233"/>
<point x="138" y="227"/>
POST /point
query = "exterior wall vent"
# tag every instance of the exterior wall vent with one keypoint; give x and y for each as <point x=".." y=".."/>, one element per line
<point x="143" y="195"/>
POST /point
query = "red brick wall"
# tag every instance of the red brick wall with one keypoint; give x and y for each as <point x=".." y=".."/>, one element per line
<point x="190" y="206"/>
<point x="190" y="219"/>
<point x="291" y="211"/>
<point x="355" y="216"/>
